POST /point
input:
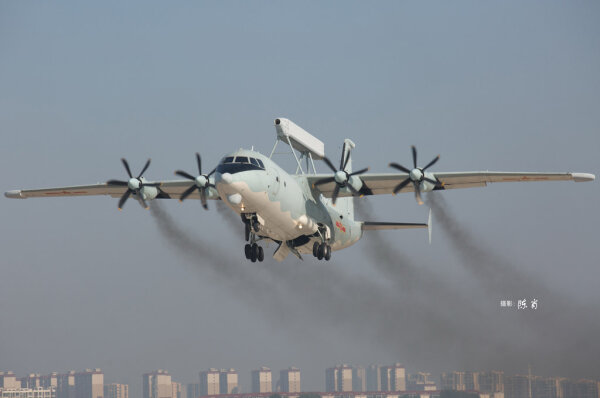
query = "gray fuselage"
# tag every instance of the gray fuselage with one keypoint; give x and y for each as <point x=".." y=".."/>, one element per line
<point x="285" y="205"/>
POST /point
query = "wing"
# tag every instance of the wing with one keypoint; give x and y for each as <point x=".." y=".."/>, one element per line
<point x="384" y="183"/>
<point x="167" y="190"/>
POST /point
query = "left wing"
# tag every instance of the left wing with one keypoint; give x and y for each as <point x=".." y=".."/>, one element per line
<point x="167" y="190"/>
<point x="384" y="183"/>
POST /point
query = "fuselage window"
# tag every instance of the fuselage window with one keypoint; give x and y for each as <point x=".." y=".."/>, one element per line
<point x="241" y="159"/>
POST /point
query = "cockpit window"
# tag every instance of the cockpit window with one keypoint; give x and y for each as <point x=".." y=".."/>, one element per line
<point x="241" y="163"/>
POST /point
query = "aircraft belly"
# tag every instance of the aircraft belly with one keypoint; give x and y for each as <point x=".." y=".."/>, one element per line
<point x="276" y="223"/>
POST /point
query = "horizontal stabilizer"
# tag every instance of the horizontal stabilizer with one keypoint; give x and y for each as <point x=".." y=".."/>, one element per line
<point x="372" y="225"/>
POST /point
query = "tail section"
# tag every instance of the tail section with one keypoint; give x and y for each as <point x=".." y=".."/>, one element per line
<point x="376" y="226"/>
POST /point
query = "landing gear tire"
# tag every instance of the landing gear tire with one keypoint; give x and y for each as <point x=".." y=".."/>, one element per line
<point x="248" y="251"/>
<point x="321" y="251"/>
<point x="327" y="255"/>
<point x="261" y="254"/>
<point x="254" y="253"/>
<point x="316" y="249"/>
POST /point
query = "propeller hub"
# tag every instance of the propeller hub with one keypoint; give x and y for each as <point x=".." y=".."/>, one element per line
<point x="416" y="175"/>
<point x="201" y="181"/>
<point x="341" y="177"/>
<point x="134" y="184"/>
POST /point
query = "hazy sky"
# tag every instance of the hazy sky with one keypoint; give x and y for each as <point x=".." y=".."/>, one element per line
<point x="507" y="86"/>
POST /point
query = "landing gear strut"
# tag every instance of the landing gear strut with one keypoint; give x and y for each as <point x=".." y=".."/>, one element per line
<point x="252" y="250"/>
<point x="322" y="250"/>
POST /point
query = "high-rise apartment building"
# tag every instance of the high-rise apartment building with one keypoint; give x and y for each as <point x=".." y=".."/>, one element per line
<point x="420" y="381"/>
<point x="177" y="390"/>
<point x="115" y="390"/>
<point x="359" y="380"/>
<point x="262" y="380"/>
<point x="157" y="384"/>
<point x="89" y="384"/>
<point x="516" y="386"/>
<point x="471" y="381"/>
<point x="32" y="381"/>
<point x="192" y="390"/>
<point x="49" y="380"/>
<point x="453" y="381"/>
<point x="338" y="379"/>
<point x="373" y="375"/>
<point x="228" y="381"/>
<point x="289" y="380"/>
<point x="544" y="387"/>
<point x="491" y="382"/>
<point x="38" y="392"/>
<point x="8" y="380"/>
<point x="393" y="378"/>
<point x="579" y="388"/>
<point x="210" y="382"/>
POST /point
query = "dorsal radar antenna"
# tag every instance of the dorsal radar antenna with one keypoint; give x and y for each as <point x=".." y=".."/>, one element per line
<point x="309" y="147"/>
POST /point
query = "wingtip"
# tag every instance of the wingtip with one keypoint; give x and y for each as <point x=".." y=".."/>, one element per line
<point x="583" y="177"/>
<point x="16" y="194"/>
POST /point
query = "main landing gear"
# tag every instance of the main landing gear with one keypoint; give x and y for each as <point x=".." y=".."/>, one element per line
<point x="252" y="250"/>
<point x="322" y="251"/>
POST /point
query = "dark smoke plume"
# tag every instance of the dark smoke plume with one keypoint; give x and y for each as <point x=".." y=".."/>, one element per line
<point x="563" y="333"/>
<point x="396" y="319"/>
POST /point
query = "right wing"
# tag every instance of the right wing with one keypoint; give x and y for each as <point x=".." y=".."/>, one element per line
<point x="167" y="190"/>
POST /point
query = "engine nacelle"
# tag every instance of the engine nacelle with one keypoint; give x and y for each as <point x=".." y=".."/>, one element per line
<point x="426" y="186"/>
<point x="148" y="192"/>
<point x="356" y="182"/>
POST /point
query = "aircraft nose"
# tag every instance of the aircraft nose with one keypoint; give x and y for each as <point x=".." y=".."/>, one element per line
<point x="226" y="178"/>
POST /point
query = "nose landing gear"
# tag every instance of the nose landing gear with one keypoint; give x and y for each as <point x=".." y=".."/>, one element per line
<point x="252" y="250"/>
<point x="322" y="251"/>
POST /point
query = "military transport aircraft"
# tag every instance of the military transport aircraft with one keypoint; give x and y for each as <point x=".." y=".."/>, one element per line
<point x="304" y="212"/>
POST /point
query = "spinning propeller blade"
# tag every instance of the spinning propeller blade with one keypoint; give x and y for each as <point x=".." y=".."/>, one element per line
<point x="134" y="185"/>
<point x="416" y="175"/>
<point x="201" y="182"/>
<point x="340" y="176"/>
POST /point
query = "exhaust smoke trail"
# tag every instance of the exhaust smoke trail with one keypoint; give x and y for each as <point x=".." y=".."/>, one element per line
<point x="446" y="301"/>
<point x="252" y="285"/>
<point x="563" y="332"/>
<point x="230" y="217"/>
<point x="386" y="317"/>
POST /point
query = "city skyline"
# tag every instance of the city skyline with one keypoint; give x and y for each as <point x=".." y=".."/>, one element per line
<point x="339" y="379"/>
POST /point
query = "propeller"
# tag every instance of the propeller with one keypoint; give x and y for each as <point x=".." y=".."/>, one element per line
<point x="341" y="176"/>
<point x="416" y="175"/>
<point x="134" y="184"/>
<point x="201" y="182"/>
